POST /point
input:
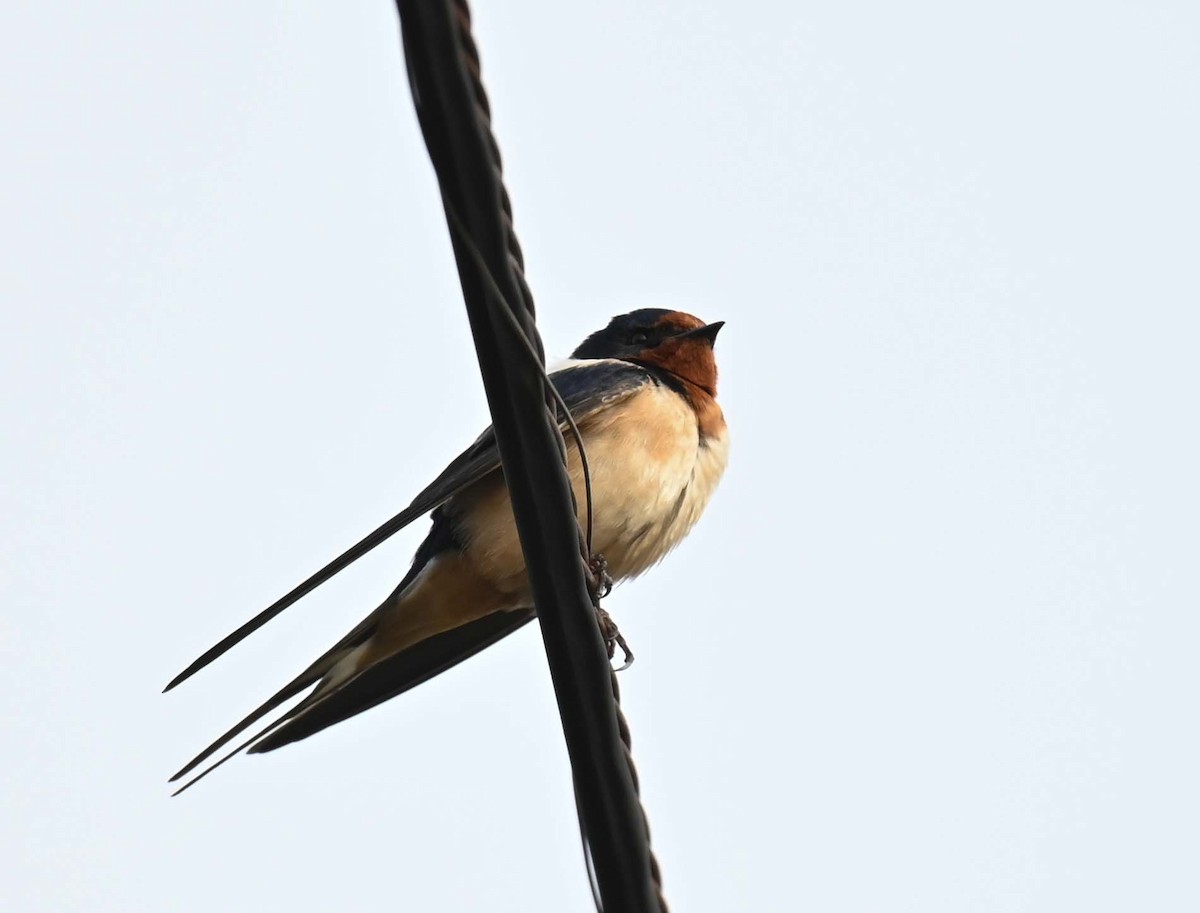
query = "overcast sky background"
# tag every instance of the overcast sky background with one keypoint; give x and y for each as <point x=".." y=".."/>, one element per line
<point x="933" y="647"/>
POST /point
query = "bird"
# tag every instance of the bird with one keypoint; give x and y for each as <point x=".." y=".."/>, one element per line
<point x="642" y="392"/>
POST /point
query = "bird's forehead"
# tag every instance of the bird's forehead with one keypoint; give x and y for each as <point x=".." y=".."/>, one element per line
<point x="676" y="321"/>
<point x="679" y="321"/>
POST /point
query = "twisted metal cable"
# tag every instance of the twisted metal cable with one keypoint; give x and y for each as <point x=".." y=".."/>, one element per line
<point x="627" y="743"/>
<point x="525" y="311"/>
<point x="470" y="53"/>
<point x="622" y="722"/>
<point x="524" y="314"/>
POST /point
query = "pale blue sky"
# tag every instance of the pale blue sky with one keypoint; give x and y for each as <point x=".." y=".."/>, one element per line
<point x="933" y="646"/>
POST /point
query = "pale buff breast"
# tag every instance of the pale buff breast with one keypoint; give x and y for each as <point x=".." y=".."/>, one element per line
<point x="651" y="479"/>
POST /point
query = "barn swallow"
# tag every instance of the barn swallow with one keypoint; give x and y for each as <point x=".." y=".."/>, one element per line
<point x="642" y="392"/>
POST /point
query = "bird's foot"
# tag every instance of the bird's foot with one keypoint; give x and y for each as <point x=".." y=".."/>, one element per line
<point x="600" y="582"/>
<point x="613" y="639"/>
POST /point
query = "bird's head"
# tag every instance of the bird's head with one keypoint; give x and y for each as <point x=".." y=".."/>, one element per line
<point x="672" y="341"/>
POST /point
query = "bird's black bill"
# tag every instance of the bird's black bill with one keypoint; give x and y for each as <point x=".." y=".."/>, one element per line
<point x="708" y="332"/>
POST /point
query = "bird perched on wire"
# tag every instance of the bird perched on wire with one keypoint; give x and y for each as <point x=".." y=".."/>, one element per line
<point x="642" y="392"/>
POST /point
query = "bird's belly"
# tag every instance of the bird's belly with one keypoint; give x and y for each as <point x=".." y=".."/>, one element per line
<point x="651" y="479"/>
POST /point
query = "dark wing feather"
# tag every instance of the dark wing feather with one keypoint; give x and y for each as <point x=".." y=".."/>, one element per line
<point x="393" y="676"/>
<point x="589" y="386"/>
<point x="305" y="679"/>
<point x="470" y="466"/>
<point x="371" y="687"/>
<point x="586" y="387"/>
<point x="440" y="538"/>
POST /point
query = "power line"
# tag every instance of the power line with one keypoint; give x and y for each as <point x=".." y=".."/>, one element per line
<point x="452" y="107"/>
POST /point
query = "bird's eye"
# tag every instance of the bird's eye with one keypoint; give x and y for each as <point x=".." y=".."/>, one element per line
<point x="641" y="337"/>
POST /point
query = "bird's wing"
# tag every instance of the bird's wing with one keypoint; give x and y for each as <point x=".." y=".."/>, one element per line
<point x="374" y="685"/>
<point x="586" y="387"/>
<point x="393" y="676"/>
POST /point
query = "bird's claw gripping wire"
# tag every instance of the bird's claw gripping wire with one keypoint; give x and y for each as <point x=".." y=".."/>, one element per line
<point x="613" y="639"/>
<point x="600" y="584"/>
